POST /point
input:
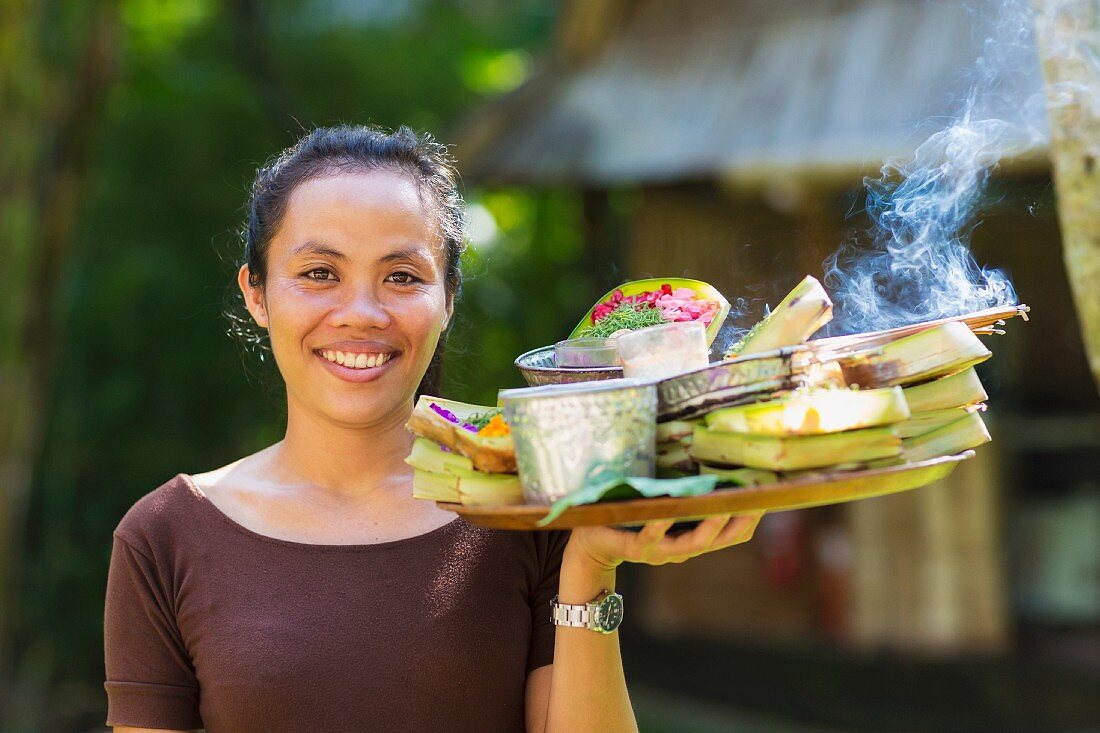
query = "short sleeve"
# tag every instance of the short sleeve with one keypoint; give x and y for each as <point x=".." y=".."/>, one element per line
<point x="150" y="680"/>
<point x="550" y="546"/>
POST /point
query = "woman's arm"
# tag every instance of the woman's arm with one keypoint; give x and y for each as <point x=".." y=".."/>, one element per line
<point x="537" y="698"/>
<point x="587" y="684"/>
<point x="128" y="729"/>
<point x="149" y="674"/>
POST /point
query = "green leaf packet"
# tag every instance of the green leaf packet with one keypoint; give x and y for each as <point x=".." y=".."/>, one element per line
<point x="612" y="486"/>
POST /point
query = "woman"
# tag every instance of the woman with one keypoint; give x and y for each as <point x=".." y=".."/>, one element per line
<point x="303" y="588"/>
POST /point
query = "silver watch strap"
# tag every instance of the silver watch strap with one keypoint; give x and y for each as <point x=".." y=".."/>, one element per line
<point x="566" y="614"/>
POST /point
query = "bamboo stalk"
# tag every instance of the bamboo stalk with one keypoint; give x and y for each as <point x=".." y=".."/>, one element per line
<point x="1068" y="36"/>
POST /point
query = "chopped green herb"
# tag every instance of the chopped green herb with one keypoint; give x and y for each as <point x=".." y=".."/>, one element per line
<point x="481" y="419"/>
<point x="628" y="316"/>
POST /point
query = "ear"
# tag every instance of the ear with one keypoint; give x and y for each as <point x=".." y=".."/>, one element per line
<point x="450" y="312"/>
<point x="253" y="297"/>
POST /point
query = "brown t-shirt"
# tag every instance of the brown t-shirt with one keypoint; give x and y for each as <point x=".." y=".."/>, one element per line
<point x="209" y="624"/>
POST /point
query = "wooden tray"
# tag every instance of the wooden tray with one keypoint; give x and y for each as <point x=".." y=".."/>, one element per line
<point x="809" y="491"/>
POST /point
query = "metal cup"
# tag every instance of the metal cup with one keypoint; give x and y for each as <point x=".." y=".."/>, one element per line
<point x="565" y="434"/>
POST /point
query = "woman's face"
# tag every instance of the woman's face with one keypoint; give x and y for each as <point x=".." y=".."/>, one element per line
<point x="354" y="301"/>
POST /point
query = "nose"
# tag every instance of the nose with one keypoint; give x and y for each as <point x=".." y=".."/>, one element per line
<point x="361" y="308"/>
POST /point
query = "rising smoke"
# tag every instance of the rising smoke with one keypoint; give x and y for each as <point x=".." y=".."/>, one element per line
<point x="914" y="262"/>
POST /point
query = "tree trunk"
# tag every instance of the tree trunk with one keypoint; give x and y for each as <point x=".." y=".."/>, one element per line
<point x="49" y="105"/>
<point x="1068" y="35"/>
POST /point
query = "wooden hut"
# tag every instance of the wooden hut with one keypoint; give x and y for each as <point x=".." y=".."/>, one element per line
<point x="737" y="133"/>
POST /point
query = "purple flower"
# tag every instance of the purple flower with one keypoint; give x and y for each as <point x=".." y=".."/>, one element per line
<point x="451" y="417"/>
<point x="444" y="413"/>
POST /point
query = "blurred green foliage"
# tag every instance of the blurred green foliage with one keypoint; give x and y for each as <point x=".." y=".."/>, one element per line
<point x="149" y="384"/>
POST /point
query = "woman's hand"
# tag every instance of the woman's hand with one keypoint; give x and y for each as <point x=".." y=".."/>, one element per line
<point x="608" y="548"/>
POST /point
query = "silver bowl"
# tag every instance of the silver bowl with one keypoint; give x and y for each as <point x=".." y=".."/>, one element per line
<point x="539" y="367"/>
<point x="566" y="434"/>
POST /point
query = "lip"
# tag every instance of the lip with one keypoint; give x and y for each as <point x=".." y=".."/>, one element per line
<point x="357" y="376"/>
<point x="358" y="346"/>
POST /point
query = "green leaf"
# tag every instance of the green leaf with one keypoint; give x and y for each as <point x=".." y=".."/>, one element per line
<point x="610" y="486"/>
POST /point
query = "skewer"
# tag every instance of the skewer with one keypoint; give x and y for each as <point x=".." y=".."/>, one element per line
<point x="983" y="319"/>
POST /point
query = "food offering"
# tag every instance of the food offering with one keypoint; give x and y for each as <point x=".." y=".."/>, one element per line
<point x="590" y="351"/>
<point x="651" y="302"/>
<point x="797" y="317"/>
<point x="806" y="429"/>
<point x="674" y="440"/>
<point x="903" y="397"/>
<point x="781" y="421"/>
<point x="462" y="454"/>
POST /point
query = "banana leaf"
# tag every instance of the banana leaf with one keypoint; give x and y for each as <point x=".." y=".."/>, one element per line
<point x="612" y="486"/>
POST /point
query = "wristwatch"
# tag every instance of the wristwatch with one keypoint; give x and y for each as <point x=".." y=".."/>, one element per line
<point x="603" y="613"/>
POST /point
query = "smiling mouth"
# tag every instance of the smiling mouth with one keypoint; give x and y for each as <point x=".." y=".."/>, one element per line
<point x="353" y="360"/>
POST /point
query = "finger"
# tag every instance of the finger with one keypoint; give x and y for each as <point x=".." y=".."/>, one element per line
<point x="739" y="530"/>
<point x="696" y="540"/>
<point x="654" y="531"/>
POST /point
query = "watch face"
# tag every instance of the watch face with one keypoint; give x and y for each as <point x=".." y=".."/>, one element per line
<point x="611" y="612"/>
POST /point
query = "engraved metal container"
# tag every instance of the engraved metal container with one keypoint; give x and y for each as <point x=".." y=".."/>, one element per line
<point x="566" y="433"/>
<point x="745" y="379"/>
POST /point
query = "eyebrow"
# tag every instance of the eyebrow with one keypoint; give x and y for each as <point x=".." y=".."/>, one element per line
<point x="409" y="253"/>
<point x="312" y="247"/>
<point x="317" y="248"/>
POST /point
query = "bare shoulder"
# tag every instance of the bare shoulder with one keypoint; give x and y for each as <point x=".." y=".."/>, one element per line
<point x="242" y="471"/>
<point x="251" y="494"/>
<point x="241" y="490"/>
<point x="212" y="479"/>
<point x="162" y="517"/>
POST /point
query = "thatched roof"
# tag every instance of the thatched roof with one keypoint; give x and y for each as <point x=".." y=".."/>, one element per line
<point x="689" y="89"/>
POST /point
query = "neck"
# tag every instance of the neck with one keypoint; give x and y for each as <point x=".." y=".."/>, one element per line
<point x="351" y="460"/>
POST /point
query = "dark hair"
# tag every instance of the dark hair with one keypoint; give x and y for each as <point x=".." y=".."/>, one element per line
<point x="329" y="151"/>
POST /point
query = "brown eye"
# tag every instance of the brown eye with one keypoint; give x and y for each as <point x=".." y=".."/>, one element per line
<point x="320" y="273"/>
<point x="403" y="278"/>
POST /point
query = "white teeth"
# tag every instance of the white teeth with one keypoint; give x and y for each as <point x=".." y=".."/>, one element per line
<point x="356" y="361"/>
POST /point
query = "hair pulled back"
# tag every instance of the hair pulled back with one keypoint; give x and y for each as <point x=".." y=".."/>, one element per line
<point x="331" y="151"/>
